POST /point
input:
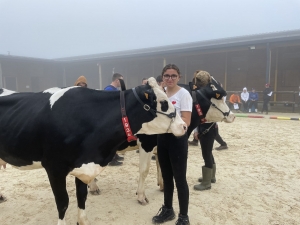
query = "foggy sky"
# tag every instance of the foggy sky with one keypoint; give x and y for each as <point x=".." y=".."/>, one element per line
<point x="61" y="28"/>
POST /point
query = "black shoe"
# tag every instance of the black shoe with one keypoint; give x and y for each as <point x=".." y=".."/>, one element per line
<point x="221" y="147"/>
<point x="119" y="158"/>
<point x="164" y="214"/>
<point x="153" y="157"/>
<point x="182" y="220"/>
<point x="115" y="163"/>
<point x="193" y="143"/>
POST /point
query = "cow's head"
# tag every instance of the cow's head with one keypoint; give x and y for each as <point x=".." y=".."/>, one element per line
<point x="211" y="97"/>
<point x="166" y="120"/>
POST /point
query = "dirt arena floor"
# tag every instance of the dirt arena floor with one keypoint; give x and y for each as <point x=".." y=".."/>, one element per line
<point x="258" y="181"/>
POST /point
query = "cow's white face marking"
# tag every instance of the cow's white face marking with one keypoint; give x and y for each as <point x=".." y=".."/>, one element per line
<point x="7" y="92"/>
<point x="52" y="90"/>
<point x="162" y="123"/>
<point x="33" y="166"/>
<point x="214" y="115"/>
<point x="87" y="172"/>
<point x="58" y="94"/>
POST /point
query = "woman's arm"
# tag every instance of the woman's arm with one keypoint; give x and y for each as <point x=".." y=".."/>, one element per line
<point x="186" y="117"/>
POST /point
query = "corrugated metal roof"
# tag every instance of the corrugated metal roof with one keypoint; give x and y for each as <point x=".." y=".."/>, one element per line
<point x="178" y="48"/>
<point x="201" y="45"/>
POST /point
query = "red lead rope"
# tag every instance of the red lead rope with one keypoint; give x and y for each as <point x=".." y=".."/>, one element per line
<point x="130" y="136"/>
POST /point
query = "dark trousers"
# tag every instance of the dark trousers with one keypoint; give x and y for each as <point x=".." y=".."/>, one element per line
<point x="252" y="103"/>
<point x="245" y="106"/>
<point x="207" y="142"/>
<point x="265" y="106"/>
<point x="219" y="139"/>
<point x="172" y="156"/>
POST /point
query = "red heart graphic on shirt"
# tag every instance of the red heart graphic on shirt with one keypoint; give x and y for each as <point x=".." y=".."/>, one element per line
<point x="173" y="102"/>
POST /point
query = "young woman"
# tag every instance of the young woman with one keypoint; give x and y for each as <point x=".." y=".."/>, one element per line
<point x="172" y="152"/>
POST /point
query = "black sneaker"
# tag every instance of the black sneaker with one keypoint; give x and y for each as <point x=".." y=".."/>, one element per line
<point x="115" y="163"/>
<point x="119" y="158"/>
<point x="164" y="214"/>
<point x="221" y="147"/>
<point x="182" y="220"/>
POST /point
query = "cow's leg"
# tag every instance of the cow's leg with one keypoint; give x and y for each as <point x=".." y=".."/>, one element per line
<point x="94" y="189"/>
<point x="145" y="159"/>
<point x="58" y="185"/>
<point x="160" y="181"/>
<point x="81" y="194"/>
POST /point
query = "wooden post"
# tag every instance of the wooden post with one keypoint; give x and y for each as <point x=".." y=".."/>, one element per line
<point x="268" y="68"/>
<point x="225" y="74"/>
<point x="64" y="78"/>
<point x="185" y="69"/>
<point x="1" y="77"/>
<point x="100" y="76"/>
<point x="276" y="75"/>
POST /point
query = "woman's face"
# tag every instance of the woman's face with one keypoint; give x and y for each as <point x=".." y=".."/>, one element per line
<point x="170" y="78"/>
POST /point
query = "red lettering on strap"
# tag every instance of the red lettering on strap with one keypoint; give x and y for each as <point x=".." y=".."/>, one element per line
<point x="130" y="136"/>
<point x="200" y="113"/>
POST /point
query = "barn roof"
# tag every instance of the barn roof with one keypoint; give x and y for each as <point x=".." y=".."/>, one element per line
<point x="281" y="36"/>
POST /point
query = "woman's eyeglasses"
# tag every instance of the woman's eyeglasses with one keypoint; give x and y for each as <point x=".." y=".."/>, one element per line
<point x="167" y="76"/>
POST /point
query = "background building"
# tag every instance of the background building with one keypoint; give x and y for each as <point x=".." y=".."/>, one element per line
<point x="246" y="61"/>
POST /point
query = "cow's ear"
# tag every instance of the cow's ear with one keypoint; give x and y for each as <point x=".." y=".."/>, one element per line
<point x="193" y="86"/>
<point x="150" y="96"/>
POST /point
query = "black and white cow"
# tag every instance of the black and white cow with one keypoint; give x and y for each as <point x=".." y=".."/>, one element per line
<point x="214" y="109"/>
<point x="77" y="131"/>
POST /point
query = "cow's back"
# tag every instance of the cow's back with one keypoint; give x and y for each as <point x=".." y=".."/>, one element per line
<point x="21" y="117"/>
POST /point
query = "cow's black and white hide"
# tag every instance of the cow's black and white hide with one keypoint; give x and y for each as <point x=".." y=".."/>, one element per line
<point x="211" y="99"/>
<point x="77" y="131"/>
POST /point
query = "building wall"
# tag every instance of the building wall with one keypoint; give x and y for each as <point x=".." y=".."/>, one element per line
<point x="235" y="68"/>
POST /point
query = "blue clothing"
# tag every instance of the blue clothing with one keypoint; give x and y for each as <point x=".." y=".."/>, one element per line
<point x="110" y="88"/>
<point x="253" y="96"/>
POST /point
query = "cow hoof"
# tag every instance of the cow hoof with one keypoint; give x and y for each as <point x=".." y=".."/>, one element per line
<point x="96" y="192"/>
<point x="145" y="202"/>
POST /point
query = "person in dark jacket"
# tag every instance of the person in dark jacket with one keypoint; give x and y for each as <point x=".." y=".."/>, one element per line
<point x="267" y="93"/>
<point x="253" y="98"/>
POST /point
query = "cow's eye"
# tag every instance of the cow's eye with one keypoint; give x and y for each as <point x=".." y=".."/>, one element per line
<point x="164" y="106"/>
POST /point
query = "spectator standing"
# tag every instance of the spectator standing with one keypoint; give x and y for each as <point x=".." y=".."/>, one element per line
<point x="115" y="84"/>
<point x="253" y="98"/>
<point x="144" y="81"/>
<point x="245" y="98"/>
<point x="267" y="93"/>
<point x="81" y="81"/>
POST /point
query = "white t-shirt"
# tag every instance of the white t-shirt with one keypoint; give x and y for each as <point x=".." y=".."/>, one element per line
<point x="182" y="101"/>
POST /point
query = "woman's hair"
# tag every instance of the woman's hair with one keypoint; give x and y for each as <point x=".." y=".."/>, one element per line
<point x="170" y="66"/>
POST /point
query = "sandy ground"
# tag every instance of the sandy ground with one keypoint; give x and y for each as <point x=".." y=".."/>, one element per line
<point x="257" y="183"/>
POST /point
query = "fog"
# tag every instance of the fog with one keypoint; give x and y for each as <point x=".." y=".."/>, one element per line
<point x="55" y="28"/>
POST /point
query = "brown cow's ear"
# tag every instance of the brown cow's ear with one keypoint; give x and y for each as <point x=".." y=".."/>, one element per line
<point x="146" y="95"/>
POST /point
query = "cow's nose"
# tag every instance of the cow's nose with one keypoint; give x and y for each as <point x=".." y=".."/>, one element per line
<point x="185" y="128"/>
